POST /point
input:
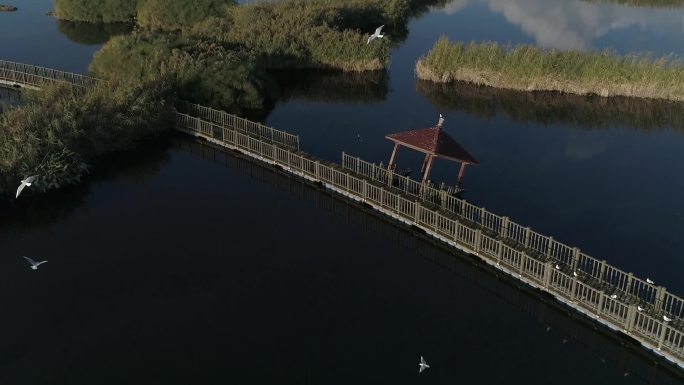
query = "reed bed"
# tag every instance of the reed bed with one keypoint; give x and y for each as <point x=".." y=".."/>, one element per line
<point x="529" y="68"/>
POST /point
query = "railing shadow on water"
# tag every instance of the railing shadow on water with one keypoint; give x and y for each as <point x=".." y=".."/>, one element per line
<point x="607" y="346"/>
<point x="547" y="108"/>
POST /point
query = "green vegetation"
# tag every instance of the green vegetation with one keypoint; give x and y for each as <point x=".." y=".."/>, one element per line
<point x="643" y="3"/>
<point x="207" y="51"/>
<point x="62" y="128"/>
<point x="548" y="108"/>
<point x="203" y="72"/>
<point x="96" y="11"/>
<point x="8" y="8"/>
<point x="92" y="33"/>
<point x="530" y="68"/>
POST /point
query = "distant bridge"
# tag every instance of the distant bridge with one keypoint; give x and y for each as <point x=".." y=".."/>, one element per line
<point x="610" y="296"/>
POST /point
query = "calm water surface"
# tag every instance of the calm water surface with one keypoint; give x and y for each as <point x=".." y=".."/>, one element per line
<point x="170" y="268"/>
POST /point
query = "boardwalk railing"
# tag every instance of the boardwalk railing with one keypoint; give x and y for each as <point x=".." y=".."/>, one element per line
<point x="589" y="285"/>
<point x="27" y="74"/>
<point x="544" y="248"/>
<point x="426" y="191"/>
<point x="227" y="120"/>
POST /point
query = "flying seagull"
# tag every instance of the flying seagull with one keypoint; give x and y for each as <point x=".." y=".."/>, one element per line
<point x="423" y="365"/>
<point x="575" y="274"/>
<point x="648" y="280"/>
<point x="24" y="183"/>
<point x="613" y="296"/>
<point x="640" y="308"/>
<point x="375" y="35"/>
<point x="557" y="267"/>
<point x="666" y="318"/>
<point x="34" y="264"/>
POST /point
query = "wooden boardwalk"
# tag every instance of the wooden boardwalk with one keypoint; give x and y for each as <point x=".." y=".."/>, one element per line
<point x="591" y="286"/>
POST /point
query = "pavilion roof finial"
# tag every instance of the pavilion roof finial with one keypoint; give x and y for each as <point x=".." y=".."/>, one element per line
<point x="440" y="122"/>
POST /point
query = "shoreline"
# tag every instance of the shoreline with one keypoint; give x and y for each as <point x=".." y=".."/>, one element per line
<point x="531" y="69"/>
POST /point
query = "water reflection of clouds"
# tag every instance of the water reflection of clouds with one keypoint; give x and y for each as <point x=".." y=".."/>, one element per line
<point x="574" y="24"/>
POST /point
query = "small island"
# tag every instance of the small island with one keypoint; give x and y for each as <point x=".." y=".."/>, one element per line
<point x="530" y="68"/>
<point x="8" y="8"/>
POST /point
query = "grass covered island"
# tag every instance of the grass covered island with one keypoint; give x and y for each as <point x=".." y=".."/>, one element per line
<point x="213" y="52"/>
<point x="529" y="68"/>
<point x="8" y="8"/>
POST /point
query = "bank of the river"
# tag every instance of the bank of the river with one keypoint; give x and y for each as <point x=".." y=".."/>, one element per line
<point x="8" y="8"/>
<point x="529" y="68"/>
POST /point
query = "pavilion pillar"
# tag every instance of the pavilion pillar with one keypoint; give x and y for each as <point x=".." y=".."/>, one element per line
<point x="425" y="162"/>
<point x="428" y="168"/>
<point x="392" y="160"/>
<point x="460" y="174"/>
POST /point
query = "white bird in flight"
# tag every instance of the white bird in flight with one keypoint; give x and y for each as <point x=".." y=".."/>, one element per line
<point x="613" y="296"/>
<point x="648" y="280"/>
<point x="375" y="35"/>
<point x="575" y="274"/>
<point x="34" y="264"/>
<point x="666" y="318"/>
<point x="640" y="308"/>
<point x="423" y="365"/>
<point x="557" y="267"/>
<point x="24" y="183"/>
<point x="440" y="122"/>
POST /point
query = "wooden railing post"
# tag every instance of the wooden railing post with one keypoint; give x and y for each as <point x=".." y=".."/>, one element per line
<point x="499" y="252"/>
<point x="503" y="232"/>
<point x="527" y="236"/>
<point x="416" y="216"/>
<point x="548" y="271"/>
<point x="549" y="247"/>
<point x="631" y="317"/>
<point x="575" y="258"/>
<point x="602" y="301"/>
<point x="660" y="298"/>
<point x="317" y="170"/>
<point x="663" y="330"/>
<point x="478" y="238"/>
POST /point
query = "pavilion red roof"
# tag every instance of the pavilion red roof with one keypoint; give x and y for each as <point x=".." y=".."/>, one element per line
<point x="433" y="141"/>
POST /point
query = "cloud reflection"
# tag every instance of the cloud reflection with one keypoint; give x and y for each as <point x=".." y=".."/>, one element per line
<point x="574" y="24"/>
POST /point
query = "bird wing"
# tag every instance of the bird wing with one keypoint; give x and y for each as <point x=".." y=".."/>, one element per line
<point x="421" y="369"/>
<point x="31" y="179"/>
<point x="379" y="29"/>
<point x="422" y="360"/>
<point x="40" y="263"/>
<point x="31" y="261"/>
<point x="371" y="37"/>
<point x="20" y="189"/>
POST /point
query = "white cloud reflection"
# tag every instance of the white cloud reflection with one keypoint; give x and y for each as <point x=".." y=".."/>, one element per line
<point x="575" y="24"/>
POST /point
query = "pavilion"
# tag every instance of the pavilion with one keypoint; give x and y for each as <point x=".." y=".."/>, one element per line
<point x="434" y="143"/>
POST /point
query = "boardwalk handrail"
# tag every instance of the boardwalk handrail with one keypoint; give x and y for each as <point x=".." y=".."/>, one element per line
<point x="543" y="247"/>
<point x="427" y="191"/>
<point x="225" y="119"/>
<point x="589" y="291"/>
<point x="35" y="76"/>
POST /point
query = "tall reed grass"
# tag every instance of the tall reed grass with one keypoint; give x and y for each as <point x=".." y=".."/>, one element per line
<point x="530" y="68"/>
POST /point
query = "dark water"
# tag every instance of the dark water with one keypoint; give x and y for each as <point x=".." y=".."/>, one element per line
<point x="167" y="268"/>
<point x="172" y="270"/>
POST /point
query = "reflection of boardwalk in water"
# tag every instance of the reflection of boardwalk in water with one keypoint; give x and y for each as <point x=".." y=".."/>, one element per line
<point x="605" y="345"/>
